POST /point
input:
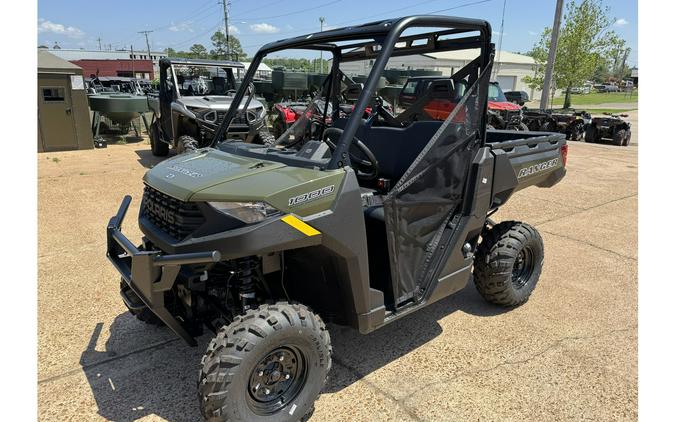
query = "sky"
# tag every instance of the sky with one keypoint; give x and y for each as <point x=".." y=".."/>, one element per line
<point x="179" y="24"/>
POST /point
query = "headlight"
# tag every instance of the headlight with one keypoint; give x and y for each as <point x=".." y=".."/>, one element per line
<point x="248" y="212"/>
<point x="255" y="114"/>
<point x="210" y="116"/>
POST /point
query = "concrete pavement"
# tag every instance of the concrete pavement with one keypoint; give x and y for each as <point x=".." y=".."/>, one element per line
<point x="570" y="353"/>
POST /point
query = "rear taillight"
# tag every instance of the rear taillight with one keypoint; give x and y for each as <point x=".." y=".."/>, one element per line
<point x="563" y="153"/>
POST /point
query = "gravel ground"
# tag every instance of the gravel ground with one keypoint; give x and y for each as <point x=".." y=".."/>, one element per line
<point x="570" y="353"/>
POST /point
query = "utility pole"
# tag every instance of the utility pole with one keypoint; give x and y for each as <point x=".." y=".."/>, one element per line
<point x="133" y="72"/>
<point x="551" y="56"/>
<point x="623" y="63"/>
<point x="495" y="69"/>
<point x="99" y="43"/>
<point x="147" y="43"/>
<point x="321" y="21"/>
<point x="228" y="54"/>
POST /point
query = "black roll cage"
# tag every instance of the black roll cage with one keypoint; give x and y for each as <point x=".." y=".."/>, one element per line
<point x="387" y="43"/>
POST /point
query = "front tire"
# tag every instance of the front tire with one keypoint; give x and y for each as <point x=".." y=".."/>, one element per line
<point x="143" y="314"/>
<point x="591" y="135"/>
<point x="619" y="137"/>
<point x="508" y="263"/>
<point x="269" y="364"/>
<point x="187" y="144"/>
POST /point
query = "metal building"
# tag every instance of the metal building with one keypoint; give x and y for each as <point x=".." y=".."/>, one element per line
<point x="63" y="111"/>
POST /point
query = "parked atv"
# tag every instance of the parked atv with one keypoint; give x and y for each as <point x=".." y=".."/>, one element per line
<point x="571" y="122"/>
<point x="193" y="97"/>
<point x="361" y="223"/>
<point x="609" y="126"/>
<point x="503" y="114"/>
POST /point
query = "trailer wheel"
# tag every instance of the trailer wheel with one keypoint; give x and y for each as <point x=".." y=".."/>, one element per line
<point x="508" y="263"/>
<point x="272" y="362"/>
<point x="619" y="137"/>
<point x="158" y="148"/>
<point x="591" y="136"/>
<point x="186" y="143"/>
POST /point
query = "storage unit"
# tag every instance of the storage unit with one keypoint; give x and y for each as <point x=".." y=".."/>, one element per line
<point x="63" y="111"/>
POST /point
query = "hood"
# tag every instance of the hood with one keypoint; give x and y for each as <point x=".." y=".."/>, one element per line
<point x="216" y="102"/>
<point x="186" y="174"/>
<point x="498" y="105"/>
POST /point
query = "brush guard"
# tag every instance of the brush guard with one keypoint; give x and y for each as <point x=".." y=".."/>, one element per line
<point x="150" y="273"/>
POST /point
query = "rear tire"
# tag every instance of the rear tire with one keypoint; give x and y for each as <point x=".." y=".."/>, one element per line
<point x="159" y="148"/>
<point x="508" y="263"/>
<point x="244" y="373"/>
<point x="619" y="137"/>
<point x="626" y="140"/>
<point x="523" y="127"/>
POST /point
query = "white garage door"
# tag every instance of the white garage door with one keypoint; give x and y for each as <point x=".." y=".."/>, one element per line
<point x="507" y="83"/>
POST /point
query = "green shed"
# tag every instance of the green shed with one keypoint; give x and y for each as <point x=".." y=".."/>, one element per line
<point x="63" y="111"/>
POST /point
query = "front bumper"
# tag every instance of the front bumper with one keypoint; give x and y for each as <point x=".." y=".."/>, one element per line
<point x="150" y="273"/>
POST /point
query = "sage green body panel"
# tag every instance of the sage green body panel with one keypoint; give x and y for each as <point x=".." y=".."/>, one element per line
<point x="213" y="175"/>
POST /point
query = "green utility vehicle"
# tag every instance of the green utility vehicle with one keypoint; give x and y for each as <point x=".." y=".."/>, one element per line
<point x="356" y="219"/>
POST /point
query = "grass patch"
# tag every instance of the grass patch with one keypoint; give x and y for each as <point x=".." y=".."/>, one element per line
<point x="598" y="98"/>
<point x="56" y="159"/>
<point x="608" y="110"/>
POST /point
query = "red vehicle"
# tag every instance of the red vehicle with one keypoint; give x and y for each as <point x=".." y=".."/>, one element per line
<point x="437" y="97"/>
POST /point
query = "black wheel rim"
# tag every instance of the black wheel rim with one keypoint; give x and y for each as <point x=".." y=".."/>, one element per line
<point x="277" y="380"/>
<point x="523" y="267"/>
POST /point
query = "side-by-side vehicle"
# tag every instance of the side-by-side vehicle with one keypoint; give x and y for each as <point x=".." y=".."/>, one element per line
<point x="357" y="219"/>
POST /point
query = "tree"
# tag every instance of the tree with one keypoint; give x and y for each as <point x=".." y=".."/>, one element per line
<point x="220" y="47"/>
<point x="170" y="52"/>
<point x="583" y="44"/>
<point x="198" y="51"/>
<point x="539" y="53"/>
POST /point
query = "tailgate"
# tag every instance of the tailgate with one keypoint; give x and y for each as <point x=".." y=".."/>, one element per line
<point x="525" y="159"/>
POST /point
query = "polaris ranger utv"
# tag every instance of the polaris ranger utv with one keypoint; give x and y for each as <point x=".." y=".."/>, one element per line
<point x="355" y="221"/>
<point x="192" y="100"/>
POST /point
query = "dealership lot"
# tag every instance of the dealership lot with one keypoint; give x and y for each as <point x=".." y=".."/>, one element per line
<point x="570" y="353"/>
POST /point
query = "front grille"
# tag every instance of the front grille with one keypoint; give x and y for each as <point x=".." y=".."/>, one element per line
<point x="174" y="217"/>
<point x="239" y="119"/>
<point x="512" y="117"/>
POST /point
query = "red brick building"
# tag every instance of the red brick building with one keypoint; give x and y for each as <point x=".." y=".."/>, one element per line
<point x="113" y="63"/>
<point x="117" y="67"/>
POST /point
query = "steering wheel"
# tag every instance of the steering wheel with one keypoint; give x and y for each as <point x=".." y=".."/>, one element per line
<point x="366" y="169"/>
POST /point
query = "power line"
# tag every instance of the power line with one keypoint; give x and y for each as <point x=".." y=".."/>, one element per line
<point x="384" y="13"/>
<point x="293" y="13"/>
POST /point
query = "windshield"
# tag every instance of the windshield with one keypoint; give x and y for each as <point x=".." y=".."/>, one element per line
<point x="203" y="80"/>
<point x="495" y="94"/>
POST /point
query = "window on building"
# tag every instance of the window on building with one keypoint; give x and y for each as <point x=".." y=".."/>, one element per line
<point x="53" y="94"/>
